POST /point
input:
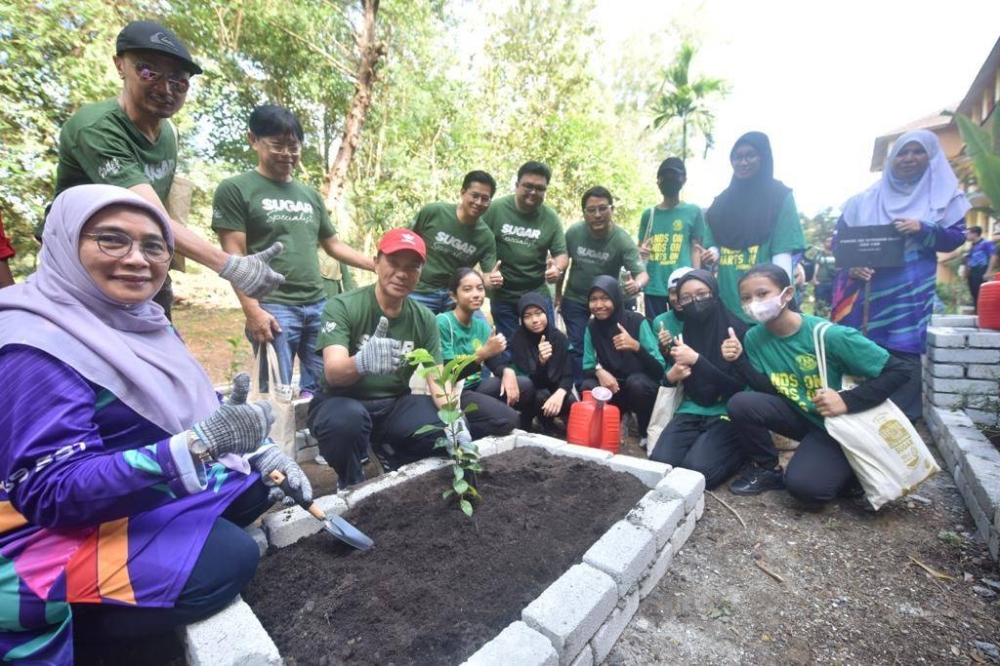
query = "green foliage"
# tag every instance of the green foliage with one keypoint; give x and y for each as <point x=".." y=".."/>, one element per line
<point x="465" y="456"/>
<point x="983" y="148"/>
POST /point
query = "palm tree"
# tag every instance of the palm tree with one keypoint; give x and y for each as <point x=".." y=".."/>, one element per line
<point x="679" y="97"/>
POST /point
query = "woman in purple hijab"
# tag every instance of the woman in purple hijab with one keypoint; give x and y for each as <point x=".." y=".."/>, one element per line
<point x="116" y="520"/>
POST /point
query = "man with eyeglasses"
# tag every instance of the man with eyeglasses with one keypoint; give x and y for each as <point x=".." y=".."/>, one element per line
<point x="456" y="236"/>
<point x="670" y="234"/>
<point x="531" y="246"/>
<point x="267" y="205"/>
<point x="129" y="142"/>
<point x="597" y="246"/>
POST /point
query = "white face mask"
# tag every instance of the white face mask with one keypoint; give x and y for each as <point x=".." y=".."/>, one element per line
<point x="767" y="309"/>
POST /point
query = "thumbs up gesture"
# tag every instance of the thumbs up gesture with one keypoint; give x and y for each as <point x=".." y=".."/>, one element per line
<point x="625" y="342"/>
<point x="663" y="335"/>
<point x="731" y="347"/>
<point x="495" y="344"/>
<point x="379" y="355"/>
<point x="683" y="354"/>
<point x="544" y="350"/>
<point x="631" y="286"/>
<point x="495" y="277"/>
<point x="552" y="272"/>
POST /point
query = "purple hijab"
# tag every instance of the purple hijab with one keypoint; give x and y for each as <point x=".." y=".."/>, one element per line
<point x="933" y="198"/>
<point x="131" y="350"/>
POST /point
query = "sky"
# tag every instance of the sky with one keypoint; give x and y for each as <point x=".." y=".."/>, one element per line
<point x="822" y="79"/>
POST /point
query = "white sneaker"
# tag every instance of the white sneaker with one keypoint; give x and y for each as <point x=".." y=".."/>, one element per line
<point x="320" y="460"/>
<point x="644" y="444"/>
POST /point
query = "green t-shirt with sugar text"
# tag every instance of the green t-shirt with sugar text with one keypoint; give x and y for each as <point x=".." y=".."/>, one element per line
<point x="523" y="242"/>
<point x="451" y="245"/>
<point x="590" y="257"/>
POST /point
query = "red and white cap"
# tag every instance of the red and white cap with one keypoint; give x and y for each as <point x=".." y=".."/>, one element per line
<point x="395" y="240"/>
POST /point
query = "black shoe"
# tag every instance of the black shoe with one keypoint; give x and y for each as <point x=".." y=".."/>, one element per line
<point x="756" y="480"/>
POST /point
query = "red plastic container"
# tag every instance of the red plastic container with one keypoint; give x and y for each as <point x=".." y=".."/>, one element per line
<point x="595" y="423"/>
<point x="988" y="305"/>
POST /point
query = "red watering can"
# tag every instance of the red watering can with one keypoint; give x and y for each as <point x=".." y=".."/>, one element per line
<point x="595" y="423"/>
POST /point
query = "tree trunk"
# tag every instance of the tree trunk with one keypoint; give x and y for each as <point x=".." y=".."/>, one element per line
<point x="371" y="50"/>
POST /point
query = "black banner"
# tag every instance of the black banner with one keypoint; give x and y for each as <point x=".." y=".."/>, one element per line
<point x="873" y="247"/>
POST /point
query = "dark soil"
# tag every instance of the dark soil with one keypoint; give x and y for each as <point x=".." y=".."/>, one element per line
<point x="438" y="585"/>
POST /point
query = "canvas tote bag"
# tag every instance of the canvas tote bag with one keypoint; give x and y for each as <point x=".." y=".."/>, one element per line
<point x="882" y="446"/>
<point x="668" y="399"/>
<point x="278" y="394"/>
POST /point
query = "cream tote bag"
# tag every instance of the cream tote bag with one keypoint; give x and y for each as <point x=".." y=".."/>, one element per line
<point x="668" y="399"/>
<point x="278" y="394"/>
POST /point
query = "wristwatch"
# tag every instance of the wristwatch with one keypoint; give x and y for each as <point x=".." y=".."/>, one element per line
<point x="198" y="449"/>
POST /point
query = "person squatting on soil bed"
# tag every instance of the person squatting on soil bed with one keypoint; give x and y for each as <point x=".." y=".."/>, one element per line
<point x="700" y="435"/>
<point x="539" y="381"/>
<point x="117" y="520"/>
<point x="620" y="353"/>
<point x="461" y="332"/>
<point x="125" y="142"/>
<point x="778" y="360"/>
<point x="919" y="195"/>
<point x="366" y="399"/>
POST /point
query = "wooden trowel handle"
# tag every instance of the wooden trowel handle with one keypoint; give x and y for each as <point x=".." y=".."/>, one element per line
<point x="296" y="495"/>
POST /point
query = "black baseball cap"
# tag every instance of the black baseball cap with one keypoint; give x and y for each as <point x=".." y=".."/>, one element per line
<point x="152" y="36"/>
<point x="672" y="164"/>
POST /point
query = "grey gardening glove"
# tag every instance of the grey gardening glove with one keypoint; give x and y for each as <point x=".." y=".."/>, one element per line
<point x="272" y="459"/>
<point x="464" y="436"/>
<point x="252" y="275"/>
<point x="379" y="355"/>
<point x="236" y="427"/>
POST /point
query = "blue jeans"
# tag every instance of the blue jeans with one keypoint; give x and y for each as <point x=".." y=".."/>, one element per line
<point x="576" y="315"/>
<point x="299" y="330"/>
<point x="436" y="301"/>
<point x="507" y="319"/>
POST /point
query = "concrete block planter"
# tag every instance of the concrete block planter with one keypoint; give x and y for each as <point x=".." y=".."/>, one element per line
<point x="575" y="621"/>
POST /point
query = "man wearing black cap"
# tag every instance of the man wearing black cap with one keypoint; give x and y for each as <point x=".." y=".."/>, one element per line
<point x="668" y="233"/>
<point x="124" y="142"/>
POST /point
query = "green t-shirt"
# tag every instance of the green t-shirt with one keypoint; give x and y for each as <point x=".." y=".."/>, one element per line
<point x="790" y="363"/>
<point x="676" y="327"/>
<point x="458" y="339"/>
<point x="268" y="211"/>
<point x="647" y="339"/>
<point x="670" y="238"/>
<point x="451" y="245"/>
<point x="590" y="257"/>
<point x="523" y="241"/>
<point x="734" y="263"/>
<point x="349" y="320"/>
<point x="100" y="145"/>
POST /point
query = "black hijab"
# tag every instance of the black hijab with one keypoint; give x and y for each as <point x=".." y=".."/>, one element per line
<point x="618" y="363"/>
<point x="746" y="213"/>
<point x="705" y="332"/>
<point x="524" y="344"/>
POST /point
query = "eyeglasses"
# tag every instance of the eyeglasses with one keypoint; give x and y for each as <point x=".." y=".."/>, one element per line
<point x="293" y="149"/>
<point x="480" y="198"/>
<point x="535" y="188"/>
<point x="697" y="298"/>
<point x="751" y="157"/>
<point x="119" y="245"/>
<point x="594" y="210"/>
<point x="175" y="81"/>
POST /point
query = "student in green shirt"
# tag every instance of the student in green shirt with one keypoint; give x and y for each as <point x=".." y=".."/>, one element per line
<point x="462" y="333"/>
<point x="620" y="353"/>
<point x="669" y="324"/>
<point x="531" y="246"/>
<point x="455" y="236"/>
<point x="700" y="436"/>
<point x="753" y="221"/>
<point x="366" y="400"/>
<point x="596" y="246"/>
<point x="778" y="360"/>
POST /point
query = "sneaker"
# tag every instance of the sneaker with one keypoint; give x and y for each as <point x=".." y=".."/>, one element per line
<point x="320" y="460"/>
<point x="756" y="480"/>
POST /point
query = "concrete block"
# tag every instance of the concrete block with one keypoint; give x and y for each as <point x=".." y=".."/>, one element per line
<point x="584" y="453"/>
<point x="981" y="417"/>
<point x="683" y="532"/>
<point x="981" y="371"/>
<point x="517" y="644"/>
<point x="983" y="476"/>
<point x="571" y="610"/>
<point x="945" y="400"/>
<point x="978" y="515"/>
<point x="420" y="467"/>
<point x="684" y="484"/>
<point x="287" y="526"/>
<point x="971" y="442"/>
<point x="647" y="471"/>
<point x="985" y="339"/>
<point x="363" y="491"/>
<point x="966" y="386"/>
<point x="994" y="544"/>
<point x="624" y="553"/>
<point x="946" y="336"/>
<point x="212" y="641"/>
<point x="658" y="515"/>
<point x="550" y="444"/>
<point x="491" y="446"/>
<point x="656" y="572"/>
<point x="604" y="640"/>
<point x="306" y="454"/>
<point x="940" y="355"/>
<point x="945" y="370"/>
<point x="699" y="508"/>
<point x="257" y="534"/>
<point x="961" y="321"/>
<point x="585" y="658"/>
